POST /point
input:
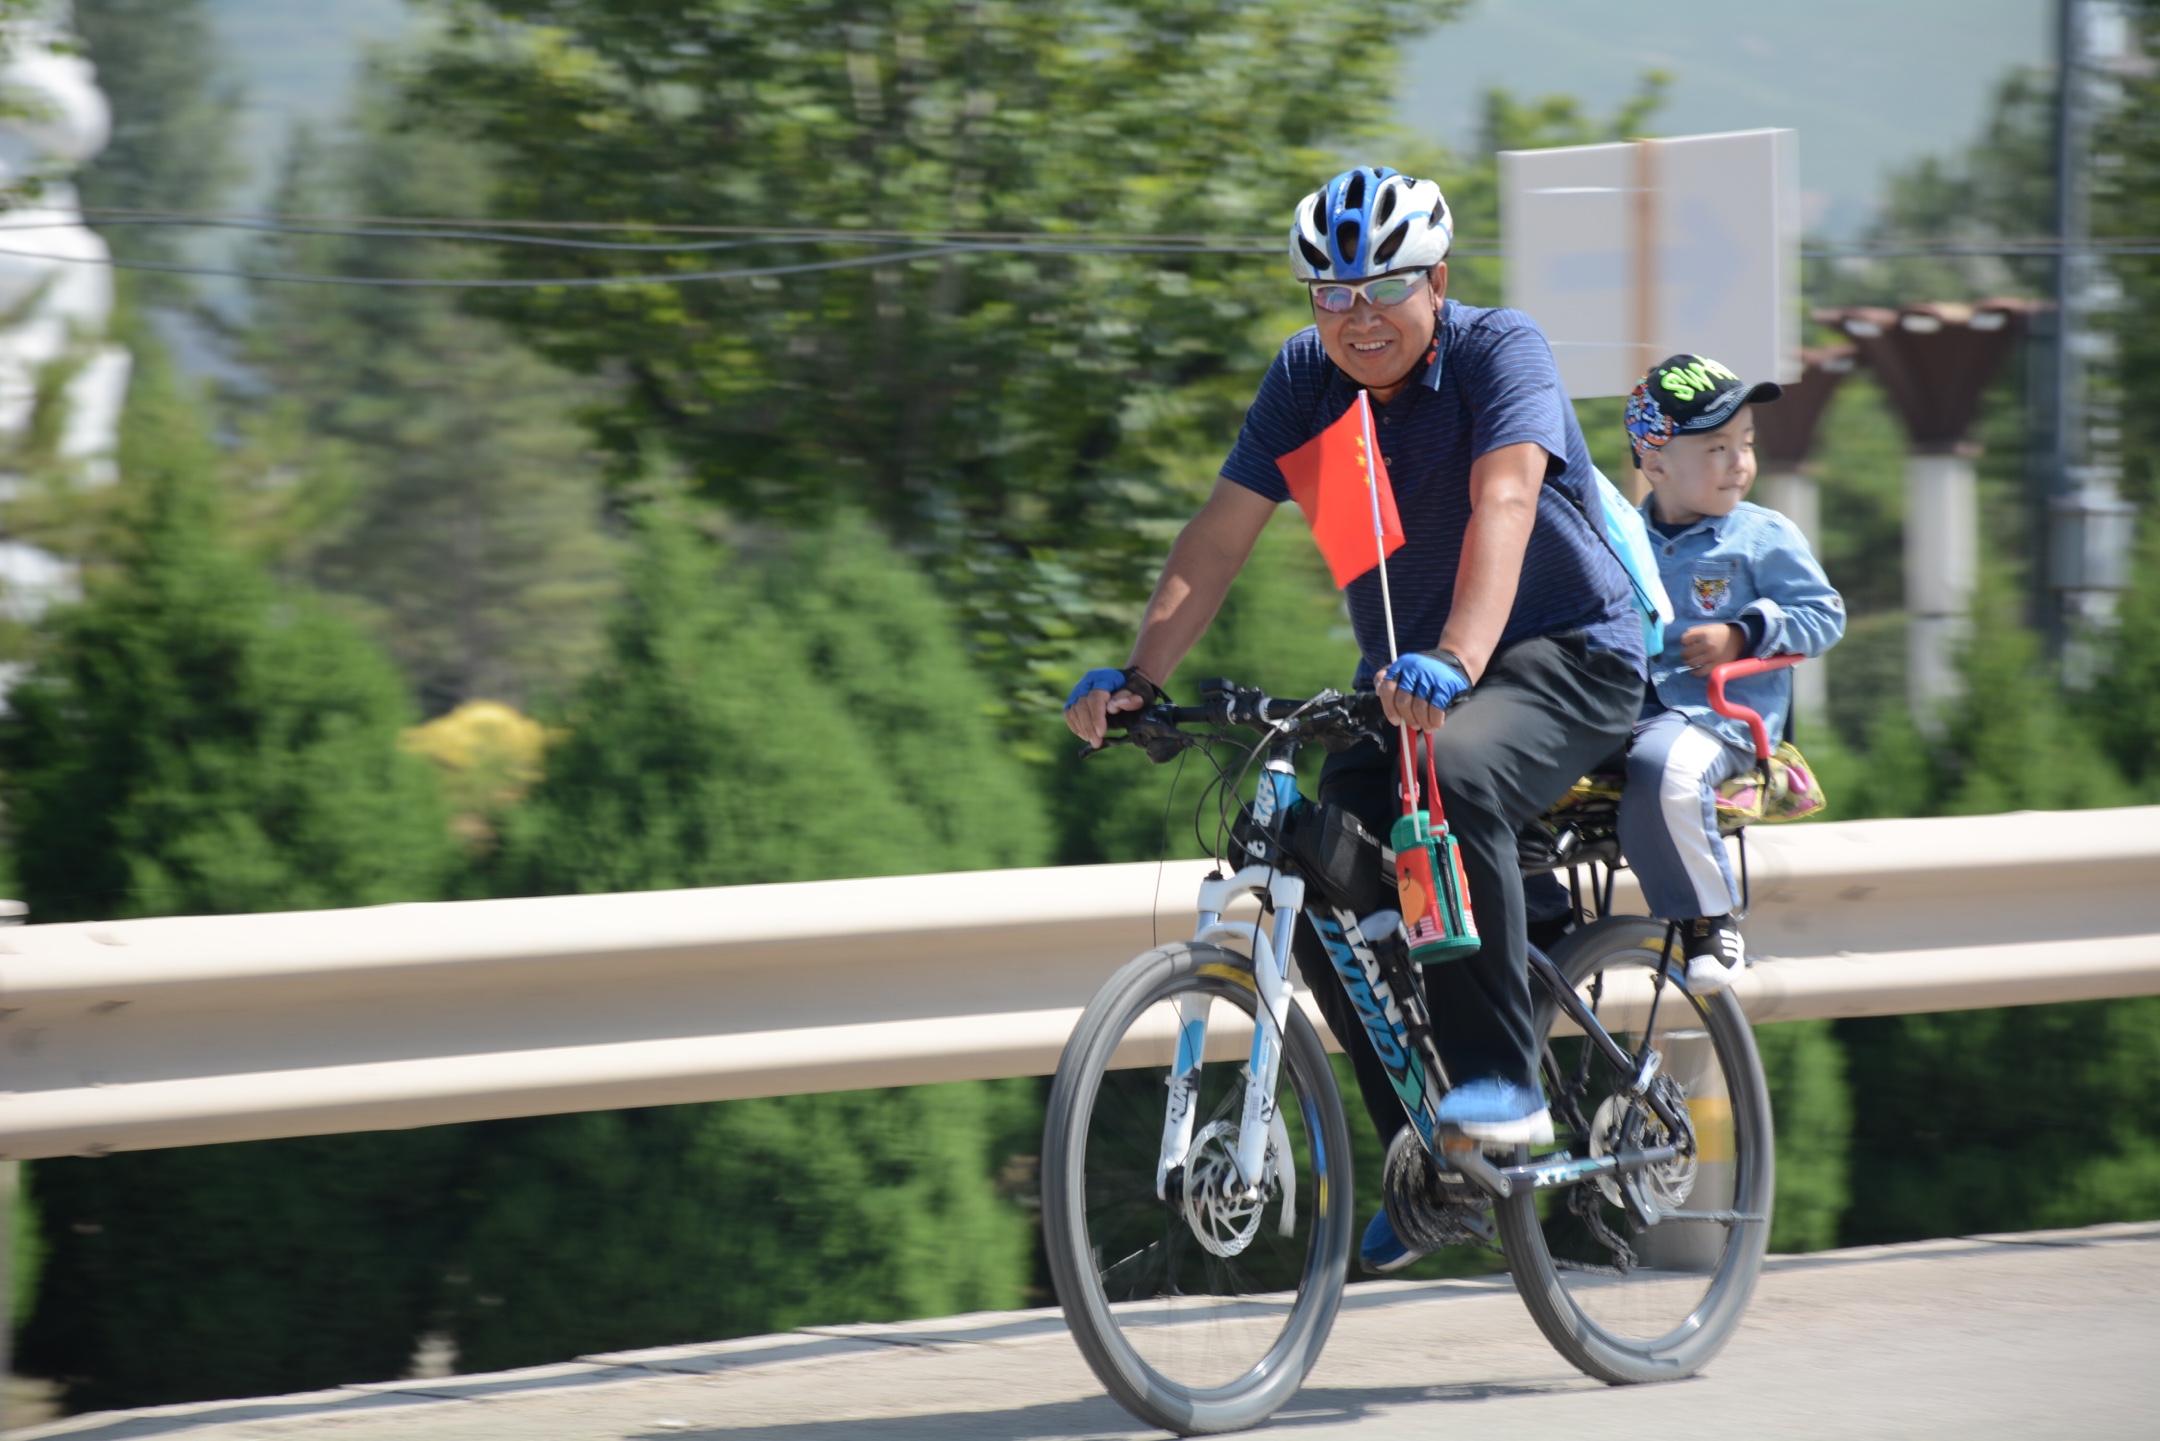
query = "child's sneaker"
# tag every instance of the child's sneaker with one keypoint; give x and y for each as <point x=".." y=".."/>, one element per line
<point x="1715" y="953"/>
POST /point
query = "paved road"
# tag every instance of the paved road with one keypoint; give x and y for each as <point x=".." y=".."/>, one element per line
<point x="2045" y="1334"/>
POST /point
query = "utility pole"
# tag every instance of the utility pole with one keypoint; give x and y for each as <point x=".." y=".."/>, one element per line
<point x="2089" y="526"/>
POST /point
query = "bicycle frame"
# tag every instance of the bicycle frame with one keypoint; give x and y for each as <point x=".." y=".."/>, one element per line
<point x="1389" y="1002"/>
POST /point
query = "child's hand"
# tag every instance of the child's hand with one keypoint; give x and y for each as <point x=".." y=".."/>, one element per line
<point x="1705" y="646"/>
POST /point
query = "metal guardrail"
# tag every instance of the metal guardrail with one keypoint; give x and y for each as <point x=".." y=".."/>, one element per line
<point x="168" y="1032"/>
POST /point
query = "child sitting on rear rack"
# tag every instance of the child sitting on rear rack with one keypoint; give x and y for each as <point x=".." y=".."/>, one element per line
<point x="1743" y="583"/>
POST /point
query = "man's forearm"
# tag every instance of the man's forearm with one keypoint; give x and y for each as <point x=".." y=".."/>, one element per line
<point x="1504" y="487"/>
<point x="1207" y="556"/>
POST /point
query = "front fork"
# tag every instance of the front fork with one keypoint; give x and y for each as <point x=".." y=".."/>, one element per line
<point x="1270" y="947"/>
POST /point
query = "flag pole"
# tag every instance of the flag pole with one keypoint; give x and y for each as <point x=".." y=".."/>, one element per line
<point x="1369" y="446"/>
<point x="1379" y="534"/>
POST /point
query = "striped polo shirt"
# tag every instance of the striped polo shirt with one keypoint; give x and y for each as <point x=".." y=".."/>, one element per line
<point x="1488" y="381"/>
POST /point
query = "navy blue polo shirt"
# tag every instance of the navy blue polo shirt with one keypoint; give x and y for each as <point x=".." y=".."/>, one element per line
<point x="1487" y="381"/>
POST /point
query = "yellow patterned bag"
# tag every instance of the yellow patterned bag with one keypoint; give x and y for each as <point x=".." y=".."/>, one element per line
<point x="1795" y="792"/>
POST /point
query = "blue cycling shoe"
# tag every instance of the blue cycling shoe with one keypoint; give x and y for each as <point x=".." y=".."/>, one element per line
<point x="1490" y="1109"/>
<point x="1382" y="1250"/>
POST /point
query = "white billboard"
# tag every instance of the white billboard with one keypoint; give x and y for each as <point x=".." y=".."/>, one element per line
<point x="1627" y="253"/>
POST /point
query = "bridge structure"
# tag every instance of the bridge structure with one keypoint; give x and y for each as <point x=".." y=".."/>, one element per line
<point x="180" y="1031"/>
<point x="2041" y="1334"/>
<point x="191" y="1030"/>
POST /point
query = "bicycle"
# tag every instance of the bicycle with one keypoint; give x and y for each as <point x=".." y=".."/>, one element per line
<point x="1198" y="1217"/>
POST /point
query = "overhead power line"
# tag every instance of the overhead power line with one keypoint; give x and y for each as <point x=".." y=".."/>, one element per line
<point x="893" y="247"/>
<point x="569" y="282"/>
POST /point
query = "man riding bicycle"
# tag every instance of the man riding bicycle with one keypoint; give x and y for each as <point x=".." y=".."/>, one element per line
<point x="1522" y="651"/>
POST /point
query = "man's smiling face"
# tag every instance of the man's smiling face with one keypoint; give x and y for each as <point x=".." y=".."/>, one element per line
<point x="1378" y="346"/>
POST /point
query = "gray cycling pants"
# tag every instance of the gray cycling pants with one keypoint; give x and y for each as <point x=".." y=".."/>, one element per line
<point x="1546" y="711"/>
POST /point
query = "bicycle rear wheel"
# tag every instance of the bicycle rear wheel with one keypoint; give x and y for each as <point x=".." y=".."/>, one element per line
<point x="1624" y="1301"/>
<point x="1201" y="1311"/>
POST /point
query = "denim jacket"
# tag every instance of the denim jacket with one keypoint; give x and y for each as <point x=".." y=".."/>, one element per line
<point x="1720" y="569"/>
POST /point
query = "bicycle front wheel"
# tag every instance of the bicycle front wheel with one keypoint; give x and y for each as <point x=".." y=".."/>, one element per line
<point x="1625" y="1299"/>
<point x="1201" y="1305"/>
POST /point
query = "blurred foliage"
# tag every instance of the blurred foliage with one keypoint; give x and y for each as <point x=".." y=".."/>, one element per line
<point x="1811" y="1108"/>
<point x="174" y="101"/>
<point x="791" y="710"/>
<point x="2013" y="741"/>
<point x="26" y="1247"/>
<point x="1282" y="627"/>
<point x="1037" y="423"/>
<point x="690" y="1223"/>
<point x="193" y="738"/>
<point x="2004" y="1120"/>
<point x="2124" y="707"/>
<point x="1859" y="462"/>
<point x="773" y="707"/>
<point x="431" y="470"/>
<point x="2126" y="206"/>
<point x="240" y="1270"/>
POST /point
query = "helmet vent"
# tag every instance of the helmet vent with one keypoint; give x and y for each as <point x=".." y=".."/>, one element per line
<point x="1314" y="255"/>
<point x="1346" y="240"/>
<point x="1386" y="206"/>
<point x="1353" y="196"/>
<point x="1387" y="248"/>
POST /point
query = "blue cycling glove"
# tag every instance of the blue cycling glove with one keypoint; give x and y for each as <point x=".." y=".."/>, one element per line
<point x="1105" y="679"/>
<point x="1429" y="678"/>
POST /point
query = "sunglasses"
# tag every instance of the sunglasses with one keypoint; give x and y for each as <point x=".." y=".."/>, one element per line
<point x="1337" y="298"/>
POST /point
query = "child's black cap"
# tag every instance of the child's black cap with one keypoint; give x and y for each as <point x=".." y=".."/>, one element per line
<point x="1684" y="395"/>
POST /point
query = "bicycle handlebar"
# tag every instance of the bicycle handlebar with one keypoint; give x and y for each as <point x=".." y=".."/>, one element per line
<point x="1734" y="670"/>
<point x="1331" y="717"/>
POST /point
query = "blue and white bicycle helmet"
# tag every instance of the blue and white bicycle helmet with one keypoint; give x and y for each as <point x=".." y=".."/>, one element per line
<point x="1368" y="221"/>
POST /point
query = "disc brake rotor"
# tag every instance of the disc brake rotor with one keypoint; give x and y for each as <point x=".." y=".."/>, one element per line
<point x="1669" y="1182"/>
<point x="1223" y="1214"/>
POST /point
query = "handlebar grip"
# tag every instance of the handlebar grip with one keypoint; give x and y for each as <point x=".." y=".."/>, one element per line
<point x="1734" y="670"/>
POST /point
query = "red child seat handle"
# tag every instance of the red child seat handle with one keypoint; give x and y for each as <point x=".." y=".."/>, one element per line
<point x="1734" y="670"/>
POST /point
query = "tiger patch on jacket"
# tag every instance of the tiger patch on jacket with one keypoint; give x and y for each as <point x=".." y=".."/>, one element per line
<point x="1710" y="592"/>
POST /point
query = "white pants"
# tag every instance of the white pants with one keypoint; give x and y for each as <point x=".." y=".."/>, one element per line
<point x="1668" y="817"/>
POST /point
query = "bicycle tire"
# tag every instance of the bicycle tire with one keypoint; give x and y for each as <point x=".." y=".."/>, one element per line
<point x="1567" y="1311"/>
<point x="1073" y="1125"/>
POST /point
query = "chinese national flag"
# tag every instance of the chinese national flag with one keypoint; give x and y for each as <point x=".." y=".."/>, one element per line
<point x="1332" y="478"/>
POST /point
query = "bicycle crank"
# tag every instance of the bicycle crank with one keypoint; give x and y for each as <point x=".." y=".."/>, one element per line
<point x="1425" y="1208"/>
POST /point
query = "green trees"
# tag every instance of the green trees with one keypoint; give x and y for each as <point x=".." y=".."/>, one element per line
<point x="798" y="714"/>
<point x="196" y="739"/>
<point x="775" y="708"/>
<point x="239" y="1270"/>
<point x="1811" y="1109"/>
<point x="1034" y="417"/>
<point x="199" y="739"/>
<point x="173" y="108"/>
<point x="683" y="1223"/>
<point x="2124" y="697"/>
<point x="2004" y="1120"/>
<point x="1282" y="627"/>
<point x="454" y="498"/>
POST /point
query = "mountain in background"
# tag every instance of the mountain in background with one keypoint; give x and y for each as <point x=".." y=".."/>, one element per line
<point x="296" y="60"/>
<point x="1872" y="85"/>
